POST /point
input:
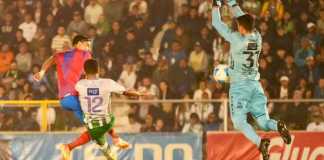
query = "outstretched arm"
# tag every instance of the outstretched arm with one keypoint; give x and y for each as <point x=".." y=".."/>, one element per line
<point x="219" y="25"/>
<point x="47" y="64"/>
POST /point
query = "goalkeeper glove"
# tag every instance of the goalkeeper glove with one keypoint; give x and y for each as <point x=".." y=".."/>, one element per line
<point x="217" y="3"/>
<point x="231" y="2"/>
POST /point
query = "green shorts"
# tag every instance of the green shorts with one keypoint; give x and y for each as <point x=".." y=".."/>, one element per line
<point x="98" y="129"/>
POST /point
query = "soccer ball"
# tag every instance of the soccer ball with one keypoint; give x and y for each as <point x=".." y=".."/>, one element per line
<point x="220" y="73"/>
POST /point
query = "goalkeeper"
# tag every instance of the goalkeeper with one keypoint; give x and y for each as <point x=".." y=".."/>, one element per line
<point x="246" y="93"/>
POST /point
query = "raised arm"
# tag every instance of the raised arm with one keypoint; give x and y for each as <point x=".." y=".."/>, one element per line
<point x="47" y="64"/>
<point x="219" y="25"/>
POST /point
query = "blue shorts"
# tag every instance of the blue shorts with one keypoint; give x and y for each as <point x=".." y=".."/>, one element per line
<point x="72" y="103"/>
<point x="247" y="96"/>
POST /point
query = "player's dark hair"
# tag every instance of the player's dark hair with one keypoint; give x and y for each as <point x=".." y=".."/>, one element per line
<point x="79" y="38"/>
<point x="91" y="66"/>
<point x="247" y="21"/>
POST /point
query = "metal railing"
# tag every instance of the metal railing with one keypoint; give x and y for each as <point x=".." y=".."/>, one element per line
<point x="44" y="105"/>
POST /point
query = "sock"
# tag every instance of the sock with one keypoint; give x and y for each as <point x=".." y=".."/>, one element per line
<point x="240" y="123"/>
<point x="82" y="139"/>
<point x="249" y="133"/>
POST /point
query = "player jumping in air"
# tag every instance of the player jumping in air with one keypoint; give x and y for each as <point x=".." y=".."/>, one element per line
<point x="95" y="98"/>
<point x="69" y="66"/>
<point x="246" y="93"/>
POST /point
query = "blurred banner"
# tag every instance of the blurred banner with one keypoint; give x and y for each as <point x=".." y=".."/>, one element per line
<point x="146" y="146"/>
<point x="230" y="146"/>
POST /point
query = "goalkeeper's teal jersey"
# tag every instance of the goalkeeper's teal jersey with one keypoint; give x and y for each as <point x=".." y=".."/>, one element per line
<point x="244" y="51"/>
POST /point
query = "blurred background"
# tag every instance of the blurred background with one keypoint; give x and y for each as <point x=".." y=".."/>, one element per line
<point x="166" y="47"/>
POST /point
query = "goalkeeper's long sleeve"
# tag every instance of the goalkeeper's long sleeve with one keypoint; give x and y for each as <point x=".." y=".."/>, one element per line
<point x="220" y="26"/>
<point x="236" y="11"/>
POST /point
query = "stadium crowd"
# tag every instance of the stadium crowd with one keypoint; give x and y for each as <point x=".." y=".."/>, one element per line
<point x="167" y="48"/>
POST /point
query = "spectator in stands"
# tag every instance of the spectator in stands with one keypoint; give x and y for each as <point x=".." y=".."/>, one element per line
<point x="203" y="109"/>
<point x="304" y="87"/>
<point x="29" y="28"/>
<point x="221" y="56"/>
<point x="284" y="91"/>
<point x="6" y="58"/>
<point x="252" y="6"/>
<point x="273" y="7"/>
<point x="289" y="69"/>
<point x="140" y="4"/>
<point x="39" y="12"/>
<point x="114" y="10"/>
<point x="18" y="39"/>
<point x="181" y="35"/>
<point x="167" y="115"/>
<point x="194" y="126"/>
<point x="313" y="35"/>
<point x="316" y="120"/>
<point x="320" y="22"/>
<point x="8" y="28"/>
<point x="2" y="121"/>
<point x="282" y="40"/>
<point x="148" y="65"/>
<point x="267" y="53"/>
<point x="148" y="125"/>
<point x="42" y="92"/>
<point x="10" y="78"/>
<point x="149" y="87"/>
<point x="206" y="40"/>
<point x="60" y="40"/>
<point x="3" y="94"/>
<point x="40" y="55"/>
<point x="198" y="61"/>
<point x="212" y="123"/>
<point x="182" y="114"/>
<point x="92" y="12"/>
<point x="159" y="125"/>
<point x="311" y="71"/>
<point x="319" y="90"/>
<point x="304" y="23"/>
<point x="77" y="25"/>
<point x="288" y="24"/>
<point x="25" y="91"/>
<point x="131" y="50"/>
<point x="203" y="89"/>
<point x="132" y="126"/>
<point x="175" y="54"/>
<point x="279" y="59"/>
<point x="194" y="23"/>
<point x="320" y="59"/>
<point x="159" y="18"/>
<point x="40" y="40"/>
<point x="103" y="26"/>
<point x="303" y="52"/>
<point x="64" y="15"/>
<point x="24" y="58"/>
<point x="50" y="27"/>
<point x="182" y="77"/>
<point x="165" y="92"/>
<point x="128" y="76"/>
<point x="297" y="114"/>
<point x="162" y="71"/>
<point x="264" y="69"/>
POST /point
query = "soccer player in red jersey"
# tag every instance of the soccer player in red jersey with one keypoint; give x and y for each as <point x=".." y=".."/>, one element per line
<point x="69" y="66"/>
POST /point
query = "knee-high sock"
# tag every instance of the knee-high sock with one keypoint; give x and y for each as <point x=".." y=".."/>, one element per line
<point x="82" y="139"/>
<point x="241" y="124"/>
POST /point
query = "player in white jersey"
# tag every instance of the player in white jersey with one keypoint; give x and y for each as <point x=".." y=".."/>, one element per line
<point x="95" y="98"/>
